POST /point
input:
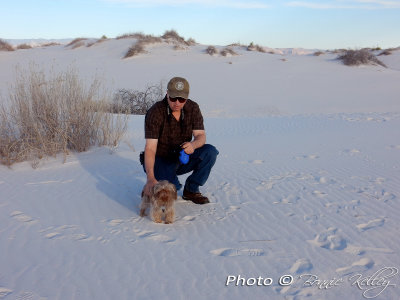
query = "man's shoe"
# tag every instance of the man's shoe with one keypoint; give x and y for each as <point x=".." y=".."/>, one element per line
<point x="197" y="198"/>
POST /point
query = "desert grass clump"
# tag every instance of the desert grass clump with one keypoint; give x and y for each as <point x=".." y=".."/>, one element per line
<point x="173" y="36"/>
<point x="135" y="49"/>
<point x="48" y="115"/>
<point x="359" y="57"/>
<point x="4" y="46"/>
<point x="257" y="48"/>
<point x="180" y="47"/>
<point x="141" y="43"/>
<point x="24" y="46"/>
<point x="228" y="52"/>
<point x="137" y="102"/>
<point x="386" y="52"/>
<point x="50" y="44"/>
<point x="211" y="50"/>
<point x="78" y="42"/>
<point x="318" y="53"/>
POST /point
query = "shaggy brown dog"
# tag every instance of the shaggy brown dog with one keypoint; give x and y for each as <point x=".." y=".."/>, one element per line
<point x="162" y="201"/>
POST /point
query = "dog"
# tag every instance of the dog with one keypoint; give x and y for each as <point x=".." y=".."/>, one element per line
<point x="161" y="201"/>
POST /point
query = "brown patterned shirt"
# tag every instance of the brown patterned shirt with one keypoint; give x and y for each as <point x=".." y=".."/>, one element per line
<point x="160" y="124"/>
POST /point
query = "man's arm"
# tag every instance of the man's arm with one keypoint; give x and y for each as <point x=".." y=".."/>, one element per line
<point x="198" y="141"/>
<point x="149" y="160"/>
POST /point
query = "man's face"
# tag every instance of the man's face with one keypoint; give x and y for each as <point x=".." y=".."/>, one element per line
<point x="176" y="104"/>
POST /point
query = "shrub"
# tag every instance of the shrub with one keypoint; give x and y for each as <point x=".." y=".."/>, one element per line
<point x="135" y="49"/>
<point x="174" y="36"/>
<point x="257" y="48"/>
<point x="359" y="57"/>
<point x="46" y="116"/>
<point x="211" y="50"/>
<point x="137" y="102"/>
<point x="179" y="47"/>
<point x="135" y="35"/>
<point x="24" y="46"/>
<point x="50" y="44"/>
<point x="386" y="52"/>
<point x="4" y="46"/>
<point x="318" y="53"/>
<point x="191" y="42"/>
<point x="78" y="42"/>
<point x="228" y="51"/>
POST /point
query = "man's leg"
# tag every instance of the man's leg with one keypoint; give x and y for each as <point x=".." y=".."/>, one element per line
<point x="200" y="162"/>
<point x="166" y="170"/>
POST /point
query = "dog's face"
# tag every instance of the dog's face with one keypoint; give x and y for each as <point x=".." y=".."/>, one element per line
<point x="164" y="192"/>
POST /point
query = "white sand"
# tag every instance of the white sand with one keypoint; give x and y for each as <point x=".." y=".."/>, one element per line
<point x="307" y="182"/>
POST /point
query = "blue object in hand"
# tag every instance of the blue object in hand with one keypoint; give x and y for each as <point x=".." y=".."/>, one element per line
<point x="183" y="157"/>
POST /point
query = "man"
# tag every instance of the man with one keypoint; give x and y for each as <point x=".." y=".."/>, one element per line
<point x="173" y="124"/>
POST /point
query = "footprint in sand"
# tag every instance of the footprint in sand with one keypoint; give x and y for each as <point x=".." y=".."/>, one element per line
<point x="70" y="232"/>
<point x="351" y="152"/>
<point x="290" y="199"/>
<point x="154" y="236"/>
<point x="237" y="252"/>
<point x="371" y="224"/>
<point x="329" y="239"/>
<point x="311" y="156"/>
<point x="357" y="267"/>
<point x="4" y="292"/>
<point x="23" y="218"/>
<point x="188" y="218"/>
<point x="300" y="266"/>
<point x="319" y="194"/>
<point x="394" y="147"/>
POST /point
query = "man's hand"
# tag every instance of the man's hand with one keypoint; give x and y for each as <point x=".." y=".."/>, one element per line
<point x="188" y="147"/>
<point x="149" y="186"/>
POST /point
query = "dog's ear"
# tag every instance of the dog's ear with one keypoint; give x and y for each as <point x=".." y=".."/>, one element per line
<point x="174" y="191"/>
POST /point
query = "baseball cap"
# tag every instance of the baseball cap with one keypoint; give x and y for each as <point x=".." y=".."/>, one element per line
<point x="178" y="87"/>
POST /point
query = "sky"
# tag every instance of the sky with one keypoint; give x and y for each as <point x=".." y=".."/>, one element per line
<point x="323" y="24"/>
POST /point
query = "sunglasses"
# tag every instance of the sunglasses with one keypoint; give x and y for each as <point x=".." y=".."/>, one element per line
<point x="180" y="99"/>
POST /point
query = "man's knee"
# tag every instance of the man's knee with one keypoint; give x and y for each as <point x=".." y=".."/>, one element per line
<point x="210" y="151"/>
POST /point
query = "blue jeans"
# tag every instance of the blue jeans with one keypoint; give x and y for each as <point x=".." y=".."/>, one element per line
<point x="200" y="162"/>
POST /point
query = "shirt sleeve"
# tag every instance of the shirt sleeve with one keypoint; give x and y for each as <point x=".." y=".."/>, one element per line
<point x="152" y="124"/>
<point x="198" y="122"/>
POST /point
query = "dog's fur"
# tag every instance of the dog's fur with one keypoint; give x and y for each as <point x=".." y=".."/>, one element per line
<point x="162" y="200"/>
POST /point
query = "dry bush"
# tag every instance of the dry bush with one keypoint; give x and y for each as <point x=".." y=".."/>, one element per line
<point x="180" y="47"/>
<point x="191" y="42"/>
<point x="359" y="57"/>
<point x="4" y="46"/>
<point x="257" y="48"/>
<point x="137" y="102"/>
<point x="318" y="53"/>
<point x="135" y="49"/>
<point x="102" y="39"/>
<point x="386" y="52"/>
<point x="50" y="44"/>
<point x="237" y="45"/>
<point x="174" y="36"/>
<point x="211" y="50"/>
<point x="139" y="46"/>
<point x="78" y="42"/>
<point x="24" y="46"/>
<point x="46" y="116"/>
<point x="228" y="51"/>
<point x="135" y="35"/>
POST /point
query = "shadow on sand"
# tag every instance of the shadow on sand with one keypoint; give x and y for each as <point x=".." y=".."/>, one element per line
<point x="119" y="178"/>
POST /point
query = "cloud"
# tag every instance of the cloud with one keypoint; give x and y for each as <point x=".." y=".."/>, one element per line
<point x="212" y="3"/>
<point x="346" y="4"/>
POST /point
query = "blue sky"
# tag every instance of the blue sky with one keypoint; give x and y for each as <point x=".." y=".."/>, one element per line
<point x="325" y="24"/>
